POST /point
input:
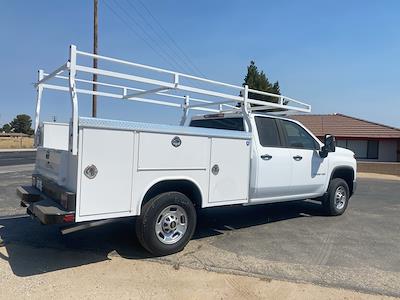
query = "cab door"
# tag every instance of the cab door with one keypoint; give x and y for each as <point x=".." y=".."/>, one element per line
<point x="309" y="170"/>
<point x="271" y="163"/>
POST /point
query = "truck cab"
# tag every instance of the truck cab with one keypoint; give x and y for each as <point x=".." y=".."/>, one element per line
<point x="288" y="162"/>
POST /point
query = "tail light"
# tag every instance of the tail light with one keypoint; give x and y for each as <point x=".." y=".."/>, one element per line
<point x="69" y="218"/>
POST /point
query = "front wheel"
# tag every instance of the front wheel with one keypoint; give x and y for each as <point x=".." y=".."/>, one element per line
<point x="166" y="223"/>
<point x="337" y="198"/>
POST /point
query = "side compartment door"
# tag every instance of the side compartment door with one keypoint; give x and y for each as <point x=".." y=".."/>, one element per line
<point x="309" y="169"/>
<point x="273" y="163"/>
<point x="108" y="192"/>
<point x="229" y="171"/>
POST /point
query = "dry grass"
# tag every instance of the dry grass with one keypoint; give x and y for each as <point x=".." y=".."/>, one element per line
<point x="16" y="142"/>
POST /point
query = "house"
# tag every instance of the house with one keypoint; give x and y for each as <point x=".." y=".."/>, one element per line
<point x="369" y="141"/>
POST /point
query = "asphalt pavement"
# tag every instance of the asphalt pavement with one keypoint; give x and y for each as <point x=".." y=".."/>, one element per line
<point x="17" y="158"/>
<point x="291" y="241"/>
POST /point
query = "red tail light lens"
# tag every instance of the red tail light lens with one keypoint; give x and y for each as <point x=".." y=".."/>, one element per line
<point x="69" y="218"/>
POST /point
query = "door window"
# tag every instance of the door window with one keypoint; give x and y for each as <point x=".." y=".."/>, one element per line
<point x="268" y="132"/>
<point x="297" y="137"/>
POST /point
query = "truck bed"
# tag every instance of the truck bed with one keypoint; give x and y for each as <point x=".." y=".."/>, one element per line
<point x="118" y="162"/>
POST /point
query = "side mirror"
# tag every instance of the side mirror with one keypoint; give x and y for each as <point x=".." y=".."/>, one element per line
<point x="329" y="145"/>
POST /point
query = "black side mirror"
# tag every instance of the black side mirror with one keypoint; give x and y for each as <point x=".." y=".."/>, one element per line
<point x="329" y="145"/>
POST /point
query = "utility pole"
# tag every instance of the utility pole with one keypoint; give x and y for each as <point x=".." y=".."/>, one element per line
<point x="95" y="28"/>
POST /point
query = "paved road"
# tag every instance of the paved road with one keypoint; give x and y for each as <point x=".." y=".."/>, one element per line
<point x="17" y="158"/>
<point x="291" y="241"/>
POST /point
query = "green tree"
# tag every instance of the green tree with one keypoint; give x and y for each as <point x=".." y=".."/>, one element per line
<point x="6" y="128"/>
<point x="257" y="80"/>
<point x="22" y="124"/>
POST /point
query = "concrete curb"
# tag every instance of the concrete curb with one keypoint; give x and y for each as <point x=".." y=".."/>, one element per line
<point x="18" y="150"/>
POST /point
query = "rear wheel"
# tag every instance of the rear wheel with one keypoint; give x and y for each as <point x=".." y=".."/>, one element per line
<point x="166" y="224"/>
<point x="337" y="198"/>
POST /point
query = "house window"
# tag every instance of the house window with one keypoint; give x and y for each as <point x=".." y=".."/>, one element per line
<point x="372" y="151"/>
<point x="360" y="148"/>
<point x="363" y="149"/>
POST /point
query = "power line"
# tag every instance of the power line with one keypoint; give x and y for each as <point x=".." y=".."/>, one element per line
<point x="160" y="36"/>
<point x="132" y="30"/>
<point x="180" y="67"/>
<point x="171" y="38"/>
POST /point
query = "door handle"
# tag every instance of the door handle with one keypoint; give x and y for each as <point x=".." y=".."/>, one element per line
<point x="297" y="157"/>
<point x="266" y="156"/>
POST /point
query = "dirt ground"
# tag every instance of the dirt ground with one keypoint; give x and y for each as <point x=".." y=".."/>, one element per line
<point x="119" y="278"/>
<point x="16" y="142"/>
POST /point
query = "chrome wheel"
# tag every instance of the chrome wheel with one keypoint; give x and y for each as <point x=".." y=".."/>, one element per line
<point x="171" y="224"/>
<point x="340" y="197"/>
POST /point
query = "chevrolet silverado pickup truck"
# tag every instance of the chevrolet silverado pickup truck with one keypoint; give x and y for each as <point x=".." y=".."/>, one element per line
<point x="238" y="151"/>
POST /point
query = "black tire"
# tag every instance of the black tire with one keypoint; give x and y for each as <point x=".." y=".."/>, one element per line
<point x="146" y="223"/>
<point x="331" y="205"/>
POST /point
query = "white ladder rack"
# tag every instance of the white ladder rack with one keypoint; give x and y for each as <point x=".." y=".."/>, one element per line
<point x="189" y="100"/>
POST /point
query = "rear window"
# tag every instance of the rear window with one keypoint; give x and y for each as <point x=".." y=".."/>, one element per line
<point x="227" y="124"/>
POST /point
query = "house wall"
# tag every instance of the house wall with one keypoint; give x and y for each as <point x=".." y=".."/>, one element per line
<point x="389" y="168"/>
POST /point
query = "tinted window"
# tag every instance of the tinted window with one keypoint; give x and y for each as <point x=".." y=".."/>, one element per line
<point x="298" y="137"/>
<point x="267" y="132"/>
<point x="372" y="152"/>
<point x="227" y="124"/>
<point x="363" y="149"/>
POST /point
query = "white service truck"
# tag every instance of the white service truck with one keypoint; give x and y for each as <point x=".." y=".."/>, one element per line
<point x="241" y="151"/>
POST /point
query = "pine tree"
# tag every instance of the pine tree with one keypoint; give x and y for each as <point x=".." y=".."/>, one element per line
<point x="21" y="124"/>
<point x="257" y="80"/>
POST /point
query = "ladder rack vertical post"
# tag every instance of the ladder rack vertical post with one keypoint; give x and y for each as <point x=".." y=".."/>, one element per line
<point x="176" y="80"/>
<point x="39" y="90"/>
<point x="185" y="110"/>
<point x="74" y="100"/>
<point x="245" y="107"/>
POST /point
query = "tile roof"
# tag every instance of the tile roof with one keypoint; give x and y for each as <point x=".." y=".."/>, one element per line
<point x="345" y="126"/>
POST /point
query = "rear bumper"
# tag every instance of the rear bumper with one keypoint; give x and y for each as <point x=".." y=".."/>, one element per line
<point x="48" y="210"/>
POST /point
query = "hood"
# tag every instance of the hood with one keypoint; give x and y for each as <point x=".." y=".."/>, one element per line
<point x="344" y="151"/>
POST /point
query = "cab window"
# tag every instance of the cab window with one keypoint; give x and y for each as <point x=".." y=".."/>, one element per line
<point x="268" y="133"/>
<point x="297" y="137"/>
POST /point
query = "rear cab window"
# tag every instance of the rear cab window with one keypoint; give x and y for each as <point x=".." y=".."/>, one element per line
<point x="223" y="123"/>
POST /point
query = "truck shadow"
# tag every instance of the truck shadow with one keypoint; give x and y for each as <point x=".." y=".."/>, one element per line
<point x="31" y="248"/>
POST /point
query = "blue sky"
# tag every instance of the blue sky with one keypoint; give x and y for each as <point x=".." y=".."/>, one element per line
<point x="338" y="56"/>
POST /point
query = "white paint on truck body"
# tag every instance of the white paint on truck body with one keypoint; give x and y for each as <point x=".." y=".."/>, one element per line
<point x="131" y="159"/>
